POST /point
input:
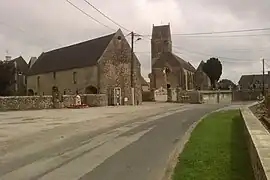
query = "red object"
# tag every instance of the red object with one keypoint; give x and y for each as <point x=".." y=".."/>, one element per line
<point x="73" y="106"/>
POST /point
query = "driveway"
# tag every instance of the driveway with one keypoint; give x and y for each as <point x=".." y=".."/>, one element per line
<point x="107" y="143"/>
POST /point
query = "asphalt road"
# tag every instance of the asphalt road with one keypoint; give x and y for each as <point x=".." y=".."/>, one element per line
<point x="134" y="150"/>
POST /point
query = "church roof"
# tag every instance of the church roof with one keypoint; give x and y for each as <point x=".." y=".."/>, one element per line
<point x="75" y="56"/>
<point x="174" y="60"/>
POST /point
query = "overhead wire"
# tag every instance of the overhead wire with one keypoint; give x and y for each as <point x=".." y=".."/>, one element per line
<point x="106" y="16"/>
<point x="88" y="15"/>
<point x="219" y="32"/>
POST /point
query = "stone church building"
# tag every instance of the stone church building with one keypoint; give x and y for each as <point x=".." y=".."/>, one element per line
<point x="168" y="70"/>
<point x="97" y="66"/>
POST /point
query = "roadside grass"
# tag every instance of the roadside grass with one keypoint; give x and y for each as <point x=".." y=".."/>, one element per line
<point x="216" y="150"/>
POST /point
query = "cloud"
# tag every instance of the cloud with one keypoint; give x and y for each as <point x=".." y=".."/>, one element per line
<point x="30" y="27"/>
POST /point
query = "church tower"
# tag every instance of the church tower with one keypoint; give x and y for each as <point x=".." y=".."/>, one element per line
<point x="161" y="41"/>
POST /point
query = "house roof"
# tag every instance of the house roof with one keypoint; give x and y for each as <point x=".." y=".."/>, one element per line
<point x="21" y="64"/>
<point x="75" y="56"/>
<point x="174" y="61"/>
<point x="252" y="79"/>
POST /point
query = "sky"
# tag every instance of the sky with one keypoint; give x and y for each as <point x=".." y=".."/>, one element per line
<point x="30" y="27"/>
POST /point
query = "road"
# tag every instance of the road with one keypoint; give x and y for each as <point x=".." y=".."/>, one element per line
<point x="110" y="143"/>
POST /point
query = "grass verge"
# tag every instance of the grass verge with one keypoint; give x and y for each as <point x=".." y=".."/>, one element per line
<point x="216" y="150"/>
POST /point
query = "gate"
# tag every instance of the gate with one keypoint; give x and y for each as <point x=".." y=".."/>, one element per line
<point x="117" y="96"/>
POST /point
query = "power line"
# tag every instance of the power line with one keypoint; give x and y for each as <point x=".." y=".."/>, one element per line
<point x="82" y="11"/>
<point x="222" y="57"/>
<point x="231" y="36"/>
<point x="110" y="19"/>
<point x="219" y="32"/>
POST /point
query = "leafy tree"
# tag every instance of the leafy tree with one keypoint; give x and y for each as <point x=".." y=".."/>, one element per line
<point x="7" y="71"/>
<point x="213" y="69"/>
<point x="226" y="84"/>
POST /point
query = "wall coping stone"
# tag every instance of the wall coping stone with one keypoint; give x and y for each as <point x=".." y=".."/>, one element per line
<point x="260" y="138"/>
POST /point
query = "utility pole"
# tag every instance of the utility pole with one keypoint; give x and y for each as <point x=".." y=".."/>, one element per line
<point x="263" y="88"/>
<point x="132" y="69"/>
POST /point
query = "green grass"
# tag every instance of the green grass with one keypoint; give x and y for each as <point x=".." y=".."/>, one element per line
<point x="216" y="150"/>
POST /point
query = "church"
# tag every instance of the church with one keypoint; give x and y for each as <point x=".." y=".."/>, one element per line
<point x="167" y="69"/>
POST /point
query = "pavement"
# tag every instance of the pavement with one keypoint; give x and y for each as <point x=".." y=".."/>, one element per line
<point x="106" y="143"/>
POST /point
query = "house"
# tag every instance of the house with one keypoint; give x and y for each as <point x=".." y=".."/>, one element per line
<point x="21" y="69"/>
<point x="97" y="66"/>
<point x="168" y="70"/>
<point x="254" y="81"/>
<point x="202" y="81"/>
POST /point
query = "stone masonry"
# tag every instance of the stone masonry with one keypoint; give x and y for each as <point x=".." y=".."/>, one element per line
<point x="112" y="70"/>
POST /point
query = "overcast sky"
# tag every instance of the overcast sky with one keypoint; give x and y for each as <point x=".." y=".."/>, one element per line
<point x="30" y="27"/>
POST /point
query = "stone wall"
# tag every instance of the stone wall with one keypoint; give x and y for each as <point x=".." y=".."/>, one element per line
<point x="245" y="95"/>
<point x="45" y="102"/>
<point x="213" y="97"/>
<point x="207" y="97"/>
<point x="192" y="97"/>
<point x="258" y="141"/>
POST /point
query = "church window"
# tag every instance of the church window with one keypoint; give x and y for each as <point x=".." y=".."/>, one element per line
<point x="74" y="77"/>
<point x="54" y="75"/>
<point x="38" y="82"/>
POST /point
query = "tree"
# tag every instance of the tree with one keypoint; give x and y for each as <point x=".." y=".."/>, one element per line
<point x="226" y="84"/>
<point x="213" y="69"/>
<point x="7" y="71"/>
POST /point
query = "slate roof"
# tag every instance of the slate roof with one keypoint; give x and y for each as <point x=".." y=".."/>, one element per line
<point x="75" y="56"/>
<point x="21" y="64"/>
<point x="252" y="78"/>
<point x="173" y="60"/>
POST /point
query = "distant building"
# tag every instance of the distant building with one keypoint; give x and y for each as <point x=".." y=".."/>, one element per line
<point x="168" y="70"/>
<point x="254" y="81"/>
<point x="21" y="69"/>
<point x="101" y="65"/>
<point x="202" y="81"/>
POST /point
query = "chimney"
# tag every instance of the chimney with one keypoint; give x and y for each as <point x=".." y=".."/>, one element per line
<point x="8" y="58"/>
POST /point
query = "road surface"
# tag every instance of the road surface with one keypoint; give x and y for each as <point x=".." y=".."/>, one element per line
<point x="110" y="143"/>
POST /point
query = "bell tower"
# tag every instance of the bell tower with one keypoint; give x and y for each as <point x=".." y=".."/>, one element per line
<point x="161" y="41"/>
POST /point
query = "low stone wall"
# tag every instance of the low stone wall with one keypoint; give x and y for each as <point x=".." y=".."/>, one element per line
<point x="245" y="95"/>
<point x="25" y="102"/>
<point x="46" y="102"/>
<point x="214" y="97"/>
<point x="95" y="100"/>
<point x="207" y="97"/>
<point x="258" y="141"/>
<point x="193" y="97"/>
